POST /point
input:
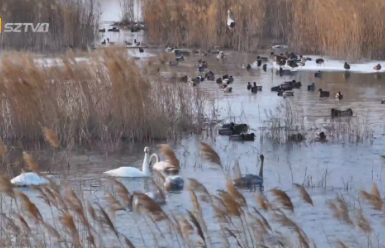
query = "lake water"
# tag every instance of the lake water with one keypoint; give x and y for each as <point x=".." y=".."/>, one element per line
<point x="326" y="168"/>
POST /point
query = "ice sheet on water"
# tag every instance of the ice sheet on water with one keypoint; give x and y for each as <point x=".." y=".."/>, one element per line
<point x="335" y="65"/>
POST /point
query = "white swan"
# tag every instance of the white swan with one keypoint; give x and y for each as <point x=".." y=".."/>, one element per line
<point x="132" y="171"/>
<point x="162" y="165"/>
<point x="230" y="20"/>
<point x="220" y="55"/>
<point x="29" y="178"/>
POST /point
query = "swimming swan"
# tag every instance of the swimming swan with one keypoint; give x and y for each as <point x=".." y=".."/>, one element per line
<point x="165" y="166"/>
<point x="132" y="171"/>
<point x="29" y="178"/>
<point x="250" y="180"/>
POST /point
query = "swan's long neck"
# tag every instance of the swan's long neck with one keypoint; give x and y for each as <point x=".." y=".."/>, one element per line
<point x="261" y="168"/>
<point x="146" y="164"/>
<point x="154" y="155"/>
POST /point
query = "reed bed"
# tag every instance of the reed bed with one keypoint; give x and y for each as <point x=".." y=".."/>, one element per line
<point x="337" y="28"/>
<point x="105" y="100"/>
<point x="61" y="217"/>
<point x="72" y="23"/>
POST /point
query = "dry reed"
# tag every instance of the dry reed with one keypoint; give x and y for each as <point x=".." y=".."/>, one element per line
<point x="106" y="101"/>
<point x="347" y="31"/>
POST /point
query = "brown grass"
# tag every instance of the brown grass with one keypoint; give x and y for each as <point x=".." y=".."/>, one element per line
<point x="170" y="156"/>
<point x="210" y="155"/>
<point x="107" y="100"/>
<point x="72" y="24"/>
<point x="347" y="31"/>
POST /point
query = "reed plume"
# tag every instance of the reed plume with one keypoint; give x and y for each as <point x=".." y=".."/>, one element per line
<point x="210" y="155"/>
<point x="33" y="166"/>
<point x="305" y="196"/>
<point x="340" y="210"/>
<point x="170" y="156"/>
<point x="51" y="136"/>
<point x="30" y="207"/>
<point x="3" y="149"/>
<point x="283" y="198"/>
<point x="374" y="197"/>
<point x="6" y="186"/>
<point x="122" y="192"/>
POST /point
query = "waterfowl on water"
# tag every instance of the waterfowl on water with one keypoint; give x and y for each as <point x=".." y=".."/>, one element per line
<point x="222" y="86"/>
<point x="132" y="171"/>
<point x="323" y="93"/>
<point x="296" y="137"/>
<point x="322" y="136"/>
<point x="382" y="101"/>
<point x="219" y="80"/>
<point x="318" y="74"/>
<point x="288" y="93"/>
<point x="108" y="40"/>
<point x="346" y="66"/>
<point x="169" y="49"/>
<point x="263" y="59"/>
<point x="136" y="43"/>
<point x="210" y="76"/>
<point x="251" y="180"/>
<point x="311" y="87"/>
<point x="104" y="42"/>
<point x="231" y="79"/>
<point x="232" y="128"/>
<point x="128" y="43"/>
<point x="264" y="67"/>
<point x="228" y="90"/>
<point x="377" y="67"/>
<point x="29" y="178"/>
<point x="225" y="76"/>
<point x="258" y="63"/>
<point x="249" y="86"/>
<point x="174" y="183"/>
<point x="243" y="137"/>
<point x="220" y="55"/>
<point x="230" y="20"/>
<point x="181" y="58"/>
<point x="114" y="29"/>
<point x="141" y="50"/>
<point x="183" y="79"/>
<point x="291" y="63"/>
<point x="255" y="88"/>
<point x="319" y="61"/>
<point x="339" y="96"/>
<point x="103" y="30"/>
<point x="248" y="67"/>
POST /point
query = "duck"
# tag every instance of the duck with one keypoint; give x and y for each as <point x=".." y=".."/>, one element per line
<point x="249" y="86"/>
<point x="231" y="79"/>
<point x="201" y="68"/>
<point x="339" y="96"/>
<point x="243" y="137"/>
<point x="346" y="66"/>
<point x="225" y="76"/>
<point x="254" y="89"/>
<point x="311" y="87"/>
<point x="258" y="63"/>
<point x="319" y="61"/>
<point x="248" y="67"/>
<point x="132" y="171"/>
<point x="219" y="80"/>
<point x="382" y="101"/>
<point x="318" y="74"/>
<point x="251" y="180"/>
<point x="181" y="58"/>
<point x="141" y="50"/>
<point x="103" y="30"/>
<point x="263" y="59"/>
<point x="220" y="55"/>
<point x="183" y="79"/>
<point x="104" y="42"/>
<point x="228" y="90"/>
<point x="291" y="63"/>
<point x="321" y="136"/>
<point x="377" y="67"/>
<point x="128" y="43"/>
<point x="210" y="76"/>
<point x="169" y="49"/>
<point x="29" y="178"/>
<point x="114" y="29"/>
<point x="230" y="20"/>
<point x="231" y="128"/>
<point x="222" y="86"/>
<point x="323" y="93"/>
<point x="264" y="67"/>
<point x="136" y="43"/>
<point x="288" y="93"/>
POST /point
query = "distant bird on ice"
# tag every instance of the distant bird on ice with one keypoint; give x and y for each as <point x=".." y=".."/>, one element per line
<point x="230" y="20"/>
